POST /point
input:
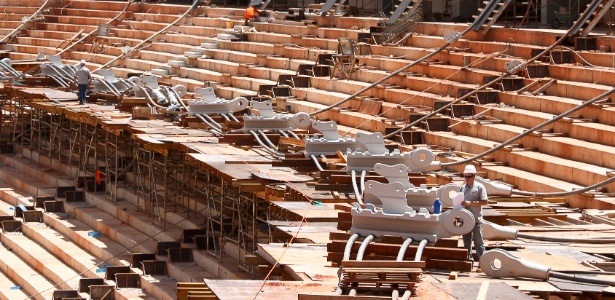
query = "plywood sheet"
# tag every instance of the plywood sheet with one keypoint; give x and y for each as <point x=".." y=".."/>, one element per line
<point x="271" y="290"/>
<point x="280" y="174"/>
<point x="555" y="262"/>
<point x="301" y="260"/>
<point x="483" y="290"/>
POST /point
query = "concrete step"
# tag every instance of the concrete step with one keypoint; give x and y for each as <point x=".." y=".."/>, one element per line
<point x="577" y="129"/>
<point x="33" y="49"/>
<point x="581" y="73"/>
<point x="10" y="290"/>
<point x="30" y="281"/>
<point x="35" y="3"/>
<point x="15" y="16"/>
<point x="130" y="215"/>
<point x="569" y="147"/>
<point x="71" y="28"/>
<point x="78" y="20"/>
<point x="47" y="176"/>
<point x="158" y="18"/>
<point x="98" y="5"/>
<point x="125" y="31"/>
<point x="149" y="26"/>
<point x="25" y="183"/>
<point x="528" y="181"/>
<point x="107" y="14"/>
<point x="9" y="24"/>
<point x="89" y="265"/>
<point x="42" y="261"/>
<point x="134" y="231"/>
<point x="556" y="105"/>
<point x="579" y="173"/>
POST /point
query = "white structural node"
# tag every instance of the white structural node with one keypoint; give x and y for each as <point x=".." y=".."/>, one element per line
<point x="330" y="142"/>
<point x="111" y="84"/>
<point x="209" y="104"/>
<point x="374" y="151"/>
<point x="266" y="119"/>
<point x="421" y="196"/>
<point x="397" y="218"/>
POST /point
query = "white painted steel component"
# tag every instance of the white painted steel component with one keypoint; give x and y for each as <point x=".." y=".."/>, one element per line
<point x="265" y="119"/>
<point x="109" y="83"/>
<point x="396" y="173"/>
<point x="421" y="196"/>
<point x="452" y="37"/>
<point x="147" y="86"/>
<point x="6" y="68"/>
<point x="210" y="46"/>
<point x="57" y="70"/>
<point x="492" y="231"/>
<point x="209" y="104"/>
<point x="330" y="142"/>
<point x="374" y="151"/>
<point x="225" y="36"/>
<point x="161" y="72"/>
<point x="193" y="54"/>
<point x="397" y="218"/>
<point x="176" y="63"/>
<point x="495" y="188"/>
<point x="499" y="263"/>
<point x="512" y="66"/>
<point x="181" y="90"/>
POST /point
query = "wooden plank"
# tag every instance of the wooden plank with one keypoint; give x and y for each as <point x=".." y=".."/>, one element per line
<point x="340" y="297"/>
<point x="383" y="270"/>
<point x="382" y="264"/>
<point x="392" y="250"/>
<point x="370" y="107"/>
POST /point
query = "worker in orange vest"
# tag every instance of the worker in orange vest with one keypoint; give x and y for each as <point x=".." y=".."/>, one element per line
<point x="251" y="12"/>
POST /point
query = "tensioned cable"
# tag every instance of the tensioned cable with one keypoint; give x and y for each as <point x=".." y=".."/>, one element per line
<point x="194" y="5"/>
<point x="529" y="131"/>
<point x="512" y="71"/>
<point x="23" y="23"/>
<point x="152" y="237"/>
<point x="95" y="30"/>
<point x="449" y="41"/>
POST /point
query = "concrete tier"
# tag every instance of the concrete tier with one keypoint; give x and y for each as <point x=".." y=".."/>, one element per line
<point x="30" y="281"/>
<point x="42" y="261"/>
<point x="9" y="290"/>
<point x="581" y="174"/>
<point x="551" y="144"/>
<point x="577" y="129"/>
<point x="144" y="239"/>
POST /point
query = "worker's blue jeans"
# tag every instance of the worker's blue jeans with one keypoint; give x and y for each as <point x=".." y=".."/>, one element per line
<point x="82" y="89"/>
<point x="477" y="235"/>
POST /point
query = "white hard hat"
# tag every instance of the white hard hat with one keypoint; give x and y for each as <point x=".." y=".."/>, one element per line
<point x="469" y="169"/>
<point x="82" y="63"/>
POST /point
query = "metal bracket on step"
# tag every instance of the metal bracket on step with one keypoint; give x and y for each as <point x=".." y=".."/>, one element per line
<point x="419" y="160"/>
<point x="330" y="142"/>
<point x="398" y="219"/>
<point x="211" y="105"/>
<point x="267" y="120"/>
<point x="421" y="196"/>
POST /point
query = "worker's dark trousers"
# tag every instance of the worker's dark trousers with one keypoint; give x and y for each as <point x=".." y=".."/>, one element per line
<point x="477" y="235"/>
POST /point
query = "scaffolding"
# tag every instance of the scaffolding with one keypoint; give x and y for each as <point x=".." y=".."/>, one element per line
<point x="111" y="158"/>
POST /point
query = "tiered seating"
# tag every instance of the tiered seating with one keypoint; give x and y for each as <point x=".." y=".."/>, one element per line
<point x="118" y="236"/>
<point x="244" y="66"/>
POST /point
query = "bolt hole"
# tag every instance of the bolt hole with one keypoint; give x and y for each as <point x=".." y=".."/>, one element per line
<point x="496" y="264"/>
<point x="458" y="222"/>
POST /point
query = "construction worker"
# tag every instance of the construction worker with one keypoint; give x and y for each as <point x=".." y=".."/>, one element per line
<point x="474" y="196"/>
<point x="251" y="12"/>
<point x="82" y="78"/>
